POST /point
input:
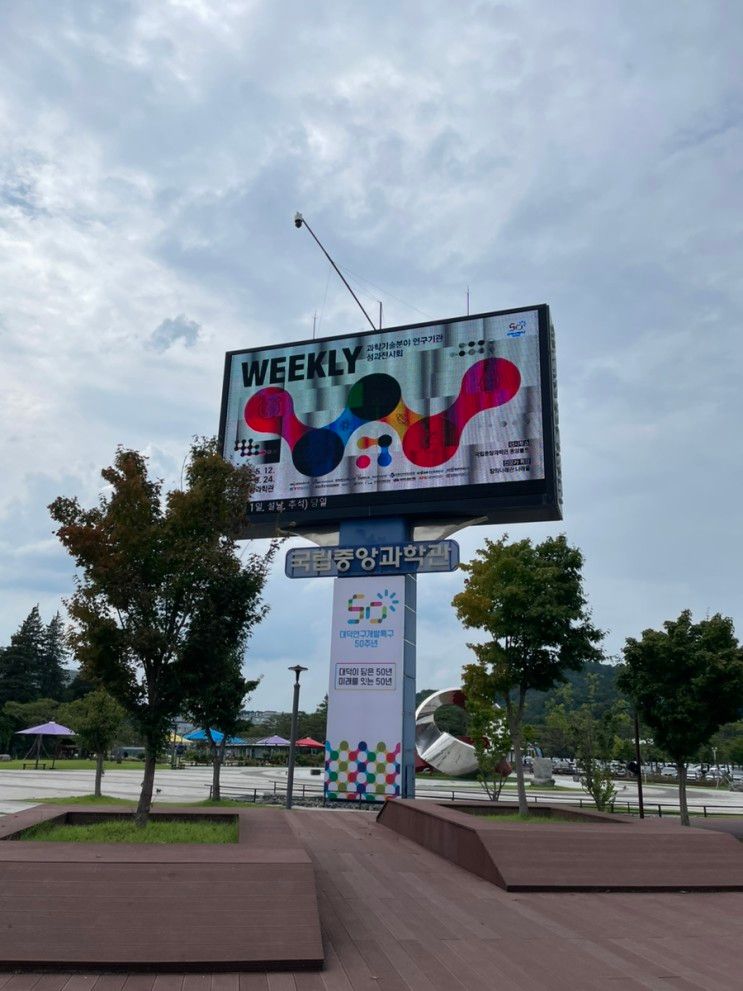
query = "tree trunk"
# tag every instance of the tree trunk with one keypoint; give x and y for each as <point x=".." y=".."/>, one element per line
<point x="682" y="794"/>
<point x="216" y="767"/>
<point x="98" y="773"/>
<point x="145" y="796"/>
<point x="514" y="726"/>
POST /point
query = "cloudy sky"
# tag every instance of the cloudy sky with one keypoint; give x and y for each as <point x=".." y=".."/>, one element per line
<point x="585" y="154"/>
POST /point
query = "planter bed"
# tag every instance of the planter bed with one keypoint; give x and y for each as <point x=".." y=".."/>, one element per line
<point x="593" y="852"/>
<point x="249" y="905"/>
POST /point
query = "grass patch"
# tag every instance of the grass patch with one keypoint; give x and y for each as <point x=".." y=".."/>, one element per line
<point x="78" y="765"/>
<point x="126" y="831"/>
<point x="83" y="800"/>
<point x="518" y="817"/>
<point x="538" y="817"/>
<point x="228" y="803"/>
<point x="205" y="803"/>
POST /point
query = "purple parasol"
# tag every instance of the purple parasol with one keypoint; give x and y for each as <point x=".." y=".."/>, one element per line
<point x="47" y="729"/>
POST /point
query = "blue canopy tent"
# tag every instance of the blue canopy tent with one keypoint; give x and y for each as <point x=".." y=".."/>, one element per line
<point x="201" y="736"/>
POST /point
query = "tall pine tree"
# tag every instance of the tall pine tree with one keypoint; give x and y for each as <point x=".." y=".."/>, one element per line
<point x="20" y="662"/>
<point x="52" y="680"/>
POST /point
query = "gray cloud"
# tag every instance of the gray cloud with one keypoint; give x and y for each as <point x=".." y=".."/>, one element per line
<point x="170" y="331"/>
<point x="586" y="156"/>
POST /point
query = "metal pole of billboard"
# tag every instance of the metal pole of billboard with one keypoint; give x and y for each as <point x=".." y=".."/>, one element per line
<point x="297" y="669"/>
<point x="299" y="221"/>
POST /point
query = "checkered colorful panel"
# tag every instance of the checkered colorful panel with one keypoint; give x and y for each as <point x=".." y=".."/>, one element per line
<point x="360" y="771"/>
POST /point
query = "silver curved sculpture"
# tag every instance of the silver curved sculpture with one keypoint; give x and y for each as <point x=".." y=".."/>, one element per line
<point x="441" y="750"/>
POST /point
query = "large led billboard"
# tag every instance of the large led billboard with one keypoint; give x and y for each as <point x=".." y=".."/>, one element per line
<point x="448" y="420"/>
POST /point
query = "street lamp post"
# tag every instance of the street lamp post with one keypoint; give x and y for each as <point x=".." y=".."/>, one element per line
<point x="638" y="759"/>
<point x="297" y="669"/>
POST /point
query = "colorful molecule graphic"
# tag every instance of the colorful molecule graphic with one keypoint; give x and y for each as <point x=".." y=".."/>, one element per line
<point x="384" y="458"/>
<point x="427" y="441"/>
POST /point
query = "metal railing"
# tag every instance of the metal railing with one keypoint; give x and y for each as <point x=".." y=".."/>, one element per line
<point x="625" y="807"/>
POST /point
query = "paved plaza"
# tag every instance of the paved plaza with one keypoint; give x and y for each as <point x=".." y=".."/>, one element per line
<point x="191" y="784"/>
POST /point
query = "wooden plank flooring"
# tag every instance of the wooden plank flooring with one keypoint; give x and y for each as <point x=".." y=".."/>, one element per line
<point x="142" y="907"/>
<point x="396" y="917"/>
<point x="598" y="853"/>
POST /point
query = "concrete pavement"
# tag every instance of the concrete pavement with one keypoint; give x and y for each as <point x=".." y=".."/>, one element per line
<point x="192" y="785"/>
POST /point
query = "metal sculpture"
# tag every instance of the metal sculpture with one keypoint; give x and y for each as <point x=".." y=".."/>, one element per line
<point x="444" y="752"/>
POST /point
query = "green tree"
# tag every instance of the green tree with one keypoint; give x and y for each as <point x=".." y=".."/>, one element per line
<point x="686" y="681"/>
<point x="21" y="715"/>
<point x="606" y="694"/>
<point x="591" y="730"/>
<point x="96" y="719"/>
<point x="728" y="744"/>
<point x="315" y="723"/>
<point x="150" y="566"/>
<point x="529" y="600"/>
<point x="52" y="675"/>
<point x="453" y="719"/>
<point x="422" y="694"/>
<point x="217" y="642"/>
<point x="312" y="724"/>
<point x="78" y="686"/>
<point x="488" y="729"/>
<point x="20" y="662"/>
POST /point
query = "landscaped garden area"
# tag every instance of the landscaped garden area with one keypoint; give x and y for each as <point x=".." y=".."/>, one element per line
<point x="125" y="830"/>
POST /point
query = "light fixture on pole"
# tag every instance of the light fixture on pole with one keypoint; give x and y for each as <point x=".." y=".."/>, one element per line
<point x="297" y="669"/>
<point x="299" y="221"/>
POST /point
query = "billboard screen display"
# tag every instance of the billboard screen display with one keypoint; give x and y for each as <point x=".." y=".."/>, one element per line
<point x="449" y="419"/>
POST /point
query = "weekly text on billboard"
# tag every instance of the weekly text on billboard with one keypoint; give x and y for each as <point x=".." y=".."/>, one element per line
<point x="405" y="419"/>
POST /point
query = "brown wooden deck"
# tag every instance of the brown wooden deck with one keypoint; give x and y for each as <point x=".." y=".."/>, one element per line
<point x="396" y="917"/>
<point x="126" y="906"/>
<point x="595" y="852"/>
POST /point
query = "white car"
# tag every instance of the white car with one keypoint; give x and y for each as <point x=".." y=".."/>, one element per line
<point x="669" y="771"/>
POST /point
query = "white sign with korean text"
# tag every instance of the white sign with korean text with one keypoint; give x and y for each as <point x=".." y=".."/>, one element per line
<point x="363" y="747"/>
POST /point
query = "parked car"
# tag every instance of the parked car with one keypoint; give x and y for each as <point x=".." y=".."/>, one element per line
<point x="714" y="773"/>
<point x="669" y="771"/>
<point x="562" y="767"/>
